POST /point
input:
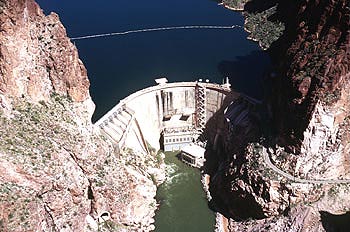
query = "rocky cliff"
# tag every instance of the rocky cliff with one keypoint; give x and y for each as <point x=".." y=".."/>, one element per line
<point x="37" y="58"/>
<point x="315" y="65"/>
<point x="298" y="171"/>
<point x="56" y="172"/>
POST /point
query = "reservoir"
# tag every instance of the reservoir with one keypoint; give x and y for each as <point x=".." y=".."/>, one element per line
<point x="120" y="65"/>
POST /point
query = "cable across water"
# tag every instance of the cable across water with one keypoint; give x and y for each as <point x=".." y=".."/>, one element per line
<point x="155" y="29"/>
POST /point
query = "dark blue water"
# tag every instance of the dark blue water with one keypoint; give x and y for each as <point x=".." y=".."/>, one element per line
<point x="118" y="66"/>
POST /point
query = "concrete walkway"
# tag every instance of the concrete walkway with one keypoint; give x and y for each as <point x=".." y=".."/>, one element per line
<point x="290" y="177"/>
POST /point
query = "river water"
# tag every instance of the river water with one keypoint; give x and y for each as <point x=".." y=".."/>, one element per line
<point x="183" y="204"/>
<point x="120" y="65"/>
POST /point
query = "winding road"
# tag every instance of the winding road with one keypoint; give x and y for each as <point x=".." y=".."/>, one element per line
<point x="290" y="177"/>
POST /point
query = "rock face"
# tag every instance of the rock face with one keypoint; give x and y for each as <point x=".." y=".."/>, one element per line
<point x="310" y="109"/>
<point x="36" y="57"/>
<point x="56" y="172"/>
<point x="234" y="4"/>
<point x="314" y="54"/>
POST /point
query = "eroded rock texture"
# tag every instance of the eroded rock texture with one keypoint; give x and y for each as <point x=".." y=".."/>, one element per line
<point x="314" y="60"/>
<point x="56" y="172"/>
<point x="36" y="57"/>
<point x="310" y="108"/>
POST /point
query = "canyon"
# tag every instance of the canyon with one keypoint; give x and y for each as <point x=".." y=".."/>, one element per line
<point x="61" y="172"/>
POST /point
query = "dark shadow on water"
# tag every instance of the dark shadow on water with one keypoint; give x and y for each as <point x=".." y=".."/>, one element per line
<point x="246" y="72"/>
<point x="335" y="223"/>
<point x="226" y="144"/>
<point x="257" y="6"/>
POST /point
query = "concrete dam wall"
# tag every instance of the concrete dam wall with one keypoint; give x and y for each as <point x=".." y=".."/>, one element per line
<point x="172" y="114"/>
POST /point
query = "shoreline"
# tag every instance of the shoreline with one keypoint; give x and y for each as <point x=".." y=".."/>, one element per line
<point x="221" y="222"/>
<point x="233" y="8"/>
<point x="230" y="7"/>
<point x="249" y="37"/>
<point x="241" y="10"/>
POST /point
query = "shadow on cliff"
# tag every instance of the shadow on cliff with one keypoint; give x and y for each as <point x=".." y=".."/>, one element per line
<point x="246" y="72"/>
<point x="335" y="223"/>
<point x="227" y="141"/>
<point x="225" y="150"/>
<point x="256" y="6"/>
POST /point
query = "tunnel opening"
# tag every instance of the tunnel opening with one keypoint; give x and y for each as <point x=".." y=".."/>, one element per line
<point x="335" y="223"/>
<point x="90" y="193"/>
<point x="104" y="216"/>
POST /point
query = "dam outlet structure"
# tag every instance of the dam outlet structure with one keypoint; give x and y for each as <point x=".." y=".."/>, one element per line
<point x="167" y="116"/>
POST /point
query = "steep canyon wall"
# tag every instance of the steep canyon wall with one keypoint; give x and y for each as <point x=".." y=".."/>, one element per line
<point x="56" y="173"/>
<point x="308" y="136"/>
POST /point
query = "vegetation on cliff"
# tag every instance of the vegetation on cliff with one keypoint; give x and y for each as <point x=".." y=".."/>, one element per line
<point x="309" y="43"/>
<point x="262" y="28"/>
<point x="308" y="101"/>
<point x="56" y="171"/>
<point x="314" y="63"/>
<point x="261" y="20"/>
<point x="235" y="4"/>
<point x="52" y="162"/>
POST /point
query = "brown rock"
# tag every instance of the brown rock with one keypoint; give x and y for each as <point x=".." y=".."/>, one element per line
<point x="36" y="57"/>
<point x="311" y="109"/>
<point x="304" y="86"/>
<point x="56" y="173"/>
<point x="316" y="45"/>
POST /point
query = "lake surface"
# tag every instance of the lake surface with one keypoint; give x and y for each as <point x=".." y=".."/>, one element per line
<point x="118" y="66"/>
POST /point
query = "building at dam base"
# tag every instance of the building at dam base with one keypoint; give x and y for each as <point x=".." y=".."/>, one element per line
<point x="167" y="116"/>
<point x="193" y="155"/>
<point x="175" y="138"/>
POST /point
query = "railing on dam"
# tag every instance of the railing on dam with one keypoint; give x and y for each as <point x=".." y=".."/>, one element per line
<point x="178" y="129"/>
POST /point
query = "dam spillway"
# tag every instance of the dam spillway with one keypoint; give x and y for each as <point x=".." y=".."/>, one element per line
<point x="168" y="114"/>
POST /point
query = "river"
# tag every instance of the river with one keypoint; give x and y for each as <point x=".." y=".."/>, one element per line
<point x="183" y="204"/>
<point x="120" y="65"/>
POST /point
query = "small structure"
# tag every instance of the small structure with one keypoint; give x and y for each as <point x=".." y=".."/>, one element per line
<point x="226" y="84"/>
<point x="161" y="81"/>
<point x="193" y="155"/>
<point x="179" y="130"/>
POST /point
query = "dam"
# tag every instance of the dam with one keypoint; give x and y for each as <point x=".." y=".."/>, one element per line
<point x="166" y="116"/>
<point x="170" y="117"/>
